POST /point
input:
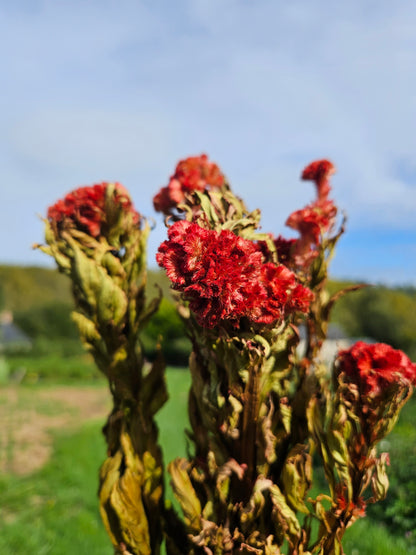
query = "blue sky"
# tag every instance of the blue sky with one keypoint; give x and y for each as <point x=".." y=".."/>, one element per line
<point x="121" y="90"/>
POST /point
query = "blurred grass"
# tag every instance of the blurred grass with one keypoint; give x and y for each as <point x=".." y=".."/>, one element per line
<point x="55" y="510"/>
<point x="366" y="537"/>
<point x="55" y="367"/>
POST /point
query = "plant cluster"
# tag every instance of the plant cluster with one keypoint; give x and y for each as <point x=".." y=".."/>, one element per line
<point x="261" y="413"/>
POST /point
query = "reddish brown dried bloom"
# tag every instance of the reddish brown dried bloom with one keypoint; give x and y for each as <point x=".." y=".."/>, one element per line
<point x="192" y="174"/>
<point x="376" y="367"/>
<point x="285" y="249"/>
<point x="225" y="278"/>
<point x="356" y="509"/>
<point x="313" y="221"/>
<point x="320" y="172"/>
<point x="197" y="173"/>
<point x="281" y="295"/>
<point x="316" y="219"/>
<point x="85" y="207"/>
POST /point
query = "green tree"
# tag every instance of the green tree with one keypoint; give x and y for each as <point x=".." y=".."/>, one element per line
<point x="383" y="314"/>
<point x="51" y="321"/>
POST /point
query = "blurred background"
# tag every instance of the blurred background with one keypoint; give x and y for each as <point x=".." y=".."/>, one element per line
<point x="120" y="91"/>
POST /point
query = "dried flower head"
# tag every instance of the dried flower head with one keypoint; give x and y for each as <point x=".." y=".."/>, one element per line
<point x="225" y="278"/>
<point x="87" y="208"/>
<point x="375" y="367"/>
<point x="342" y="505"/>
<point x="192" y="174"/>
<point x="313" y="221"/>
<point x="320" y="172"/>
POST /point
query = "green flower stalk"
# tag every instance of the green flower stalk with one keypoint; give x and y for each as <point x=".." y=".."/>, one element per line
<point x="262" y="414"/>
<point x="243" y="307"/>
<point x="99" y="240"/>
<point x="258" y="410"/>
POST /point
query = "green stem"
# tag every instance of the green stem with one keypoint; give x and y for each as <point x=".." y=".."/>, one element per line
<point x="250" y="424"/>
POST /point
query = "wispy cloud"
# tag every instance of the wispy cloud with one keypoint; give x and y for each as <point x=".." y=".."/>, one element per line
<point x="74" y="141"/>
<point x="105" y="90"/>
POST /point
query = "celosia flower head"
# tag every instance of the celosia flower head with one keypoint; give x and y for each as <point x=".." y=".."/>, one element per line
<point x="284" y="248"/>
<point x="316" y="219"/>
<point x="225" y="278"/>
<point x="375" y="367"/>
<point x="195" y="173"/>
<point x="320" y="172"/>
<point x="313" y="221"/>
<point x="88" y="208"/>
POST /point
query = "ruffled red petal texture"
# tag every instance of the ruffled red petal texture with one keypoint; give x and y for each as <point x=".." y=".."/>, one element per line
<point x="285" y="249"/>
<point x="86" y="207"/>
<point x="319" y="172"/>
<point x="300" y="299"/>
<point x="169" y="197"/>
<point x="224" y="277"/>
<point x="313" y="221"/>
<point x="195" y="173"/>
<point x="374" y="367"/>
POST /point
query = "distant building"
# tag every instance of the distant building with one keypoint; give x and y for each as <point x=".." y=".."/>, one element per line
<point x="12" y="338"/>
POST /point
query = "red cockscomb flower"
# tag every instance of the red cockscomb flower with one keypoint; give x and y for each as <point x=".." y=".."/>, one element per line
<point x="319" y="172"/>
<point x="281" y="294"/>
<point x="375" y="367"/>
<point x="316" y="219"/>
<point x="285" y="249"/>
<point x="85" y="207"/>
<point x="313" y="221"/>
<point x="224" y="277"/>
<point x="192" y="174"/>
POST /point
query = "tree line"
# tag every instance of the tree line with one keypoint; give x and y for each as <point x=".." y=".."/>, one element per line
<point x="41" y="303"/>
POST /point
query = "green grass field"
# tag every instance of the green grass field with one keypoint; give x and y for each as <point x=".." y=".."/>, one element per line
<point x="54" y="510"/>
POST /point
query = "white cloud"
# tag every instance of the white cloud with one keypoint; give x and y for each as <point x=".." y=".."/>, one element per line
<point x="105" y="90"/>
<point x="81" y="141"/>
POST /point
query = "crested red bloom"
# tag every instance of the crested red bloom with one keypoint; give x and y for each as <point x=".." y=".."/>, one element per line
<point x="375" y="367"/>
<point x="197" y="172"/>
<point x="85" y="207"/>
<point x="300" y="299"/>
<point x="316" y="219"/>
<point x="281" y="294"/>
<point x="225" y="278"/>
<point x="214" y="270"/>
<point x="313" y="221"/>
<point x="285" y="249"/>
<point x="320" y="172"/>
<point x="192" y="174"/>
